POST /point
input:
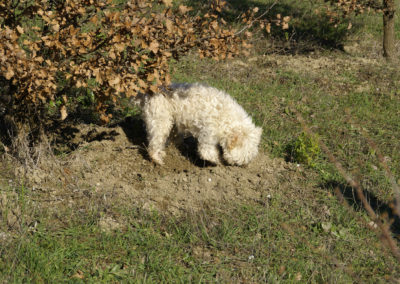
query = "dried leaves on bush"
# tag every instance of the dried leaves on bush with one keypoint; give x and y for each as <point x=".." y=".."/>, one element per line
<point x="110" y="47"/>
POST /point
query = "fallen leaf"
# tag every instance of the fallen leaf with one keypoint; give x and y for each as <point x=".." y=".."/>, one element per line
<point x="78" y="275"/>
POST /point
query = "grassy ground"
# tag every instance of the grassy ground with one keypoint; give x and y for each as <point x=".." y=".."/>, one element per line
<point x="303" y="234"/>
<point x="285" y="239"/>
<point x="337" y="103"/>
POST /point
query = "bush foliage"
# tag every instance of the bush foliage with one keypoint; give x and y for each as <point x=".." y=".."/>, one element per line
<point x="113" y="48"/>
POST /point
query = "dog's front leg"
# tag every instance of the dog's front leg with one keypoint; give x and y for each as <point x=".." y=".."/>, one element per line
<point x="208" y="150"/>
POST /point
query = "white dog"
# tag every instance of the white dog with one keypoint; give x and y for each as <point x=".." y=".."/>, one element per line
<point x="208" y="114"/>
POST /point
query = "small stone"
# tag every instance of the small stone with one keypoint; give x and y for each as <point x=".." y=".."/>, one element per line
<point x="108" y="224"/>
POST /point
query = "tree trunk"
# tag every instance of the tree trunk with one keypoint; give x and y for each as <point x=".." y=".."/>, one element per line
<point x="389" y="50"/>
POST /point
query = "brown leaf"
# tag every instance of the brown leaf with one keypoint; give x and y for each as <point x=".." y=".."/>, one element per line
<point x="114" y="81"/>
<point x="167" y="54"/>
<point x="63" y="112"/>
<point x="104" y="118"/>
<point x="9" y="74"/>
<point x="119" y="47"/>
<point x="154" y="45"/>
<point x="184" y="9"/>
<point x="142" y="84"/>
<point x="56" y="27"/>
<point x="167" y="3"/>
<point x="112" y="54"/>
<point x="214" y="25"/>
<point x="154" y="88"/>
<point x="349" y="26"/>
<point x="94" y="19"/>
<point x="78" y="275"/>
<point x="169" y="25"/>
<point x="268" y="28"/>
<point x="20" y="29"/>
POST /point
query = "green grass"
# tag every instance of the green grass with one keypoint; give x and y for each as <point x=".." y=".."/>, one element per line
<point x="281" y="240"/>
<point x="324" y="99"/>
<point x="303" y="234"/>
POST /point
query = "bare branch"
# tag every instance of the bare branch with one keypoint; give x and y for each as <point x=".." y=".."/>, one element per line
<point x="386" y="233"/>
<point x="256" y="19"/>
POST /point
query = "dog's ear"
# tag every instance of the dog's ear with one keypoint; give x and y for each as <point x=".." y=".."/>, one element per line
<point x="235" y="139"/>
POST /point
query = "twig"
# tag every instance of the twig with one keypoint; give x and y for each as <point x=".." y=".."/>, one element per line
<point x="223" y="37"/>
<point x="256" y="19"/>
<point x="382" y="162"/>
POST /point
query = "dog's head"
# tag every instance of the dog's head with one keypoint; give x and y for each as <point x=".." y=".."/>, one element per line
<point x="241" y="145"/>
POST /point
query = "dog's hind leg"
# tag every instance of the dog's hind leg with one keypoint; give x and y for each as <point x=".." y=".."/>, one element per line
<point x="159" y="123"/>
<point x="157" y="138"/>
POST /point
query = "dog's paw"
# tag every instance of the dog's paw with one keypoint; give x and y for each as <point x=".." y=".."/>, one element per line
<point x="157" y="156"/>
<point x="209" y="153"/>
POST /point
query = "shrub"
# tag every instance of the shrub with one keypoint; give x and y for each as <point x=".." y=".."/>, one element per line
<point x="111" y="49"/>
<point x="304" y="149"/>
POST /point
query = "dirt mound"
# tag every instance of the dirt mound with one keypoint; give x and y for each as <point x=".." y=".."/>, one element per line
<point x="112" y="162"/>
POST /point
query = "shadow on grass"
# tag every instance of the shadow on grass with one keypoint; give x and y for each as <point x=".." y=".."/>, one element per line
<point x="307" y="31"/>
<point x="380" y="207"/>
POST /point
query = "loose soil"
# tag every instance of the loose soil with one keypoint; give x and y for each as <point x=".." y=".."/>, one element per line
<point x="113" y="162"/>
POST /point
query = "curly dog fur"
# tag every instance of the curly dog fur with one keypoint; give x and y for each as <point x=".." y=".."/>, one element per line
<point x="210" y="115"/>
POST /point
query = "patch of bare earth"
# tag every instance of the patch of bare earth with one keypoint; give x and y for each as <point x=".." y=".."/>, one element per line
<point x="111" y="163"/>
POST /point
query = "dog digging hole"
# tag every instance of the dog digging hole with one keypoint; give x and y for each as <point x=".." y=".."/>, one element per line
<point x="118" y="168"/>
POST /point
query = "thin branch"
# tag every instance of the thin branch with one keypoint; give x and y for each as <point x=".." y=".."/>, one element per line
<point x="382" y="162"/>
<point x="256" y="19"/>
<point x="223" y="37"/>
<point x="386" y="233"/>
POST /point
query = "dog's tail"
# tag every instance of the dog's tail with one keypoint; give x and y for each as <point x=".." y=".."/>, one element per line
<point x="141" y="98"/>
